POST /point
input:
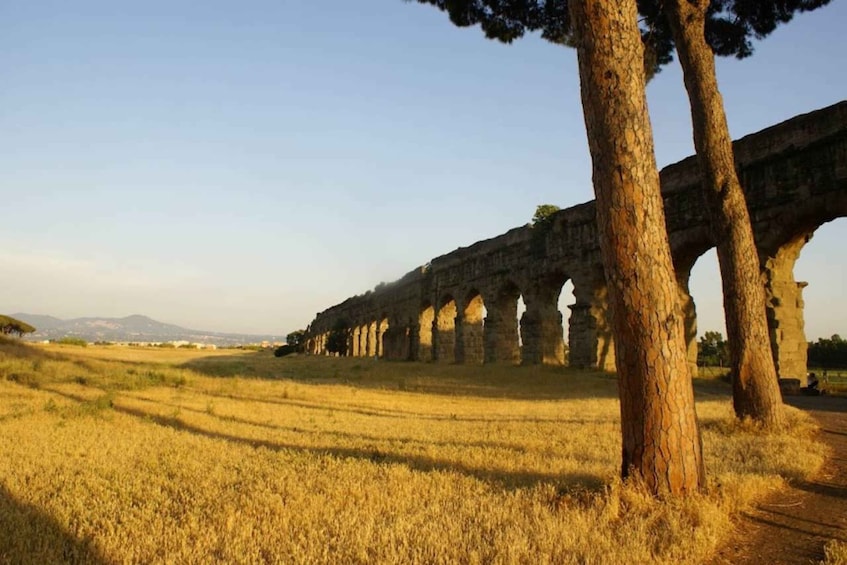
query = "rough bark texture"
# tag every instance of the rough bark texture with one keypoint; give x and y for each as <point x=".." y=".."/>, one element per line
<point x="755" y="385"/>
<point x="661" y="440"/>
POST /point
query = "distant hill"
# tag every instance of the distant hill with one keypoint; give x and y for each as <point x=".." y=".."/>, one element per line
<point x="130" y="329"/>
<point x="40" y="322"/>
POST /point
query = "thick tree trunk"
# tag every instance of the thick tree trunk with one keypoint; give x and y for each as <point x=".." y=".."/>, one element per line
<point x="661" y="440"/>
<point x="755" y="386"/>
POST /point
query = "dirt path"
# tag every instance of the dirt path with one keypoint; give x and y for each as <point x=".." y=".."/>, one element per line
<point x="793" y="525"/>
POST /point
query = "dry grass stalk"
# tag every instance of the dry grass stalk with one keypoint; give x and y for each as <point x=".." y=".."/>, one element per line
<point x="123" y="455"/>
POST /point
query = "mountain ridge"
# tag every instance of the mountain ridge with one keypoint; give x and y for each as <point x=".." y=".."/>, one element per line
<point x="132" y="328"/>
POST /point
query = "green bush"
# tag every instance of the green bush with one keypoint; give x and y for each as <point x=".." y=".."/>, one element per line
<point x="544" y="213"/>
<point x="284" y="350"/>
<point x="296" y="340"/>
<point x="70" y="340"/>
<point x="828" y="353"/>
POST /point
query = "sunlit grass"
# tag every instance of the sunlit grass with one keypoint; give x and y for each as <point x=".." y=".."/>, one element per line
<point x="835" y="553"/>
<point x="139" y="455"/>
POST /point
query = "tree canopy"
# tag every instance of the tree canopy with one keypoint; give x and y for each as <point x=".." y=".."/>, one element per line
<point x="731" y="25"/>
<point x="543" y="213"/>
<point x="296" y="339"/>
<point x="828" y="353"/>
<point x="13" y="326"/>
<point x="713" y="350"/>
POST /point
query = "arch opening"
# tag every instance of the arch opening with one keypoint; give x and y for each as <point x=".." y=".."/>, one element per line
<point x="381" y="338"/>
<point x="444" y="331"/>
<point x="472" y="346"/>
<point x="701" y="300"/>
<point x="825" y="298"/>
<point x="520" y="310"/>
<point x="566" y="300"/>
<point x="356" y="336"/>
<point x="424" y="341"/>
<point x="363" y="339"/>
<point x="789" y="308"/>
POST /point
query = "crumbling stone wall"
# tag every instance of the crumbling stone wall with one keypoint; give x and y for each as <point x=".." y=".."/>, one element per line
<point x="461" y="307"/>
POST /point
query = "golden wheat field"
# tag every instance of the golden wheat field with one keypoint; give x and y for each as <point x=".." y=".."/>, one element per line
<point x="120" y="455"/>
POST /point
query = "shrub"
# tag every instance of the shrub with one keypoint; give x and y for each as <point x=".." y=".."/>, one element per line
<point x="284" y="350"/>
<point x="295" y="339"/>
<point x="543" y="213"/>
<point x="70" y="340"/>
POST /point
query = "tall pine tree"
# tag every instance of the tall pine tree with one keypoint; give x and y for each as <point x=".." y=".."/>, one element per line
<point x="697" y="29"/>
<point x="661" y="440"/>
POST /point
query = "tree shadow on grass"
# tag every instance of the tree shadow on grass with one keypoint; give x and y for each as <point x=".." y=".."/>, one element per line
<point x="387" y="413"/>
<point x="823" y="403"/>
<point x="343" y="435"/>
<point x="29" y="535"/>
<point x="535" y="382"/>
<point x="501" y="479"/>
<point x="22" y="350"/>
<point x="249" y="365"/>
<point x="711" y="389"/>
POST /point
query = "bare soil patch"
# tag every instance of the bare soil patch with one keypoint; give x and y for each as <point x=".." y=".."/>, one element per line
<point x="794" y="524"/>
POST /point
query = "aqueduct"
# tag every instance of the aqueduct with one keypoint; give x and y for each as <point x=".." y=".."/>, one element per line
<point x="462" y="307"/>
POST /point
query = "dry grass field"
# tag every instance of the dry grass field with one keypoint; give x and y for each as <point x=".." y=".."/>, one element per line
<point x="833" y="381"/>
<point x="120" y="455"/>
<point x="836" y="553"/>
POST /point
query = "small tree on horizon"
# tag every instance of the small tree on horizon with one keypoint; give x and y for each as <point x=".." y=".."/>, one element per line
<point x="296" y="339"/>
<point x="828" y="353"/>
<point x="543" y="213"/>
<point x="713" y="350"/>
<point x="13" y="326"/>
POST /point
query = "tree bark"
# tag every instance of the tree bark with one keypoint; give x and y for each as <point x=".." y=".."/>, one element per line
<point x="755" y="390"/>
<point x="661" y="440"/>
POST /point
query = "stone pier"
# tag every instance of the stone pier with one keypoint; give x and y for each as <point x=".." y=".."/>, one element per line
<point x="541" y="327"/>
<point x="501" y="329"/>
<point x="784" y="298"/>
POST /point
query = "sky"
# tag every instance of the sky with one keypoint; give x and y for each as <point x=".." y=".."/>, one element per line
<point x="241" y="166"/>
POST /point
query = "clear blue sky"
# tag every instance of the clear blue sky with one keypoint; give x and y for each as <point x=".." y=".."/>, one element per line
<point x="240" y="166"/>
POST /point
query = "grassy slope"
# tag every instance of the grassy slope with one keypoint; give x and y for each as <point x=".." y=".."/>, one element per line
<point x="117" y="454"/>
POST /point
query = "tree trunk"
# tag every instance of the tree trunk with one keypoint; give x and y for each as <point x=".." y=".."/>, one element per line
<point x="661" y="440"/>
<point x="755" y="389"/>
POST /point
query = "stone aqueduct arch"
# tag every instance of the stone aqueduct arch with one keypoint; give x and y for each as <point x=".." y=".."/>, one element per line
<point x="795" y="178"/>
